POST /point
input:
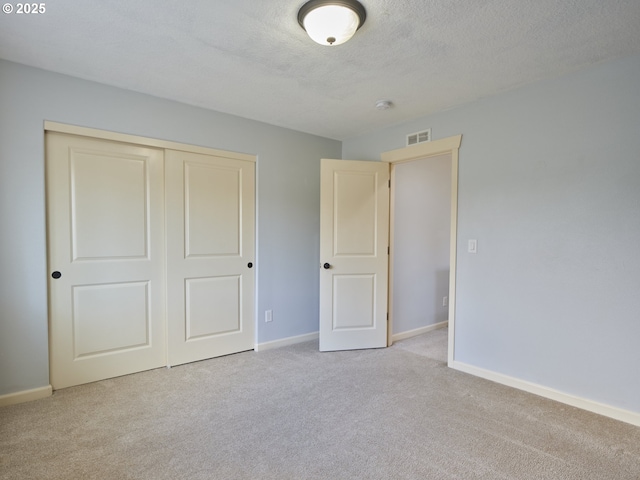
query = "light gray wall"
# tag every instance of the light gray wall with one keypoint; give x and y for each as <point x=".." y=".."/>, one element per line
<point x="549" y="184"/>
<point x="288" y="200"/>
<point x="422" y="221"/>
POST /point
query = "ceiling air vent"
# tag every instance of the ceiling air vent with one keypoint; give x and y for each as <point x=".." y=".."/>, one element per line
<point x="419" y="137"/>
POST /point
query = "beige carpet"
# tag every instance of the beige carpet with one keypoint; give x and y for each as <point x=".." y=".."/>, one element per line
<point x="295" y="413"/>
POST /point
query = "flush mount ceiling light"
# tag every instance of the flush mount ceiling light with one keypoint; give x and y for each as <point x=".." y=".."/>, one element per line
<point x="331" y="22"/>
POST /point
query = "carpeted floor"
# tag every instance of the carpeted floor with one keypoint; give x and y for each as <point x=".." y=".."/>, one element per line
<point x="296" y="413"/>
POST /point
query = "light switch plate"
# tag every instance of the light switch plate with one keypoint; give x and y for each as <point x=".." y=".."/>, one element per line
<point x="473" y="245"/>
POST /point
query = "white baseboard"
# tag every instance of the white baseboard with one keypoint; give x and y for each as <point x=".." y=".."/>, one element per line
<point x="626" y="416"/>
<point x="284" y="342"/>
<point x="25" y="396"/>
<point x="418" y="331"/>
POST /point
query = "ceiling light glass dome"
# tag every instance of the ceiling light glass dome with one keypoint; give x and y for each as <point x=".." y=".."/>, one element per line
<point x="331" y="22"/>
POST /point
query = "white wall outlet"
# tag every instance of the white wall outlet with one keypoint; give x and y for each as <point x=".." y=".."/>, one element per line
<point x="445" y="301"/>
<point x="473" y="245"/>
<point x="268" y="315"/>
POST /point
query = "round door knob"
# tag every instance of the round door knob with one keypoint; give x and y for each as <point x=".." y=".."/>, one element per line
<point x="327" y="266"/>
<point x="250" y="265"/>
<point x="56" y="275"/>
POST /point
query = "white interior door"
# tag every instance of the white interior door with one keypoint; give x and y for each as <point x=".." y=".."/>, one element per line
<point x="106" y="245"/>
<point x="354" y="240"/>
<point x="210" y="254"/>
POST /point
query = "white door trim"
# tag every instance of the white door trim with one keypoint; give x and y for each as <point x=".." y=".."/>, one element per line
<point x="144" y="141"/>
<point x="449" y="145"/>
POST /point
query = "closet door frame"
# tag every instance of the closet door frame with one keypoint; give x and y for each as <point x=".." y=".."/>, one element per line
<point x="56" y="127"/>
<point x="446" y="146"/>
<point x="143" y="141"/>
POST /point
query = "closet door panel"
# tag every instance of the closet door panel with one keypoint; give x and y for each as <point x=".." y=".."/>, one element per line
<point x="210" y="255"/>
<point x="105" y="224"/>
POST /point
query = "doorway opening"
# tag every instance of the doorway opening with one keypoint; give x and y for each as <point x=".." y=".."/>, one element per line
<point x="423" y="239"/>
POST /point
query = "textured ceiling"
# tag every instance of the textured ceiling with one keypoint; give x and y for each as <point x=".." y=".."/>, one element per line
<point x="251" y="58"/>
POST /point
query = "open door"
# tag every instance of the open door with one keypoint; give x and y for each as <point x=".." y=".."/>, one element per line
<point x="354" y="261"/>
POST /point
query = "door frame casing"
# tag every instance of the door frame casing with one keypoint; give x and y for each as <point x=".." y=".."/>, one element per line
<point x="50" y="126"/>
<point x="446" y="146"/>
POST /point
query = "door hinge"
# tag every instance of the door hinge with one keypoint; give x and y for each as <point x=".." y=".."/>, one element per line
<point x="388" y="250"/>
<point x="387" y="316"/>
<point x="389" y="183"/>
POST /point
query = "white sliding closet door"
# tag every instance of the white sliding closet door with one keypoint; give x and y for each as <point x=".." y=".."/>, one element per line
<point x="105" y="207"/>
<point x="150" y="255"/>
<point x="210" y="214"/>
